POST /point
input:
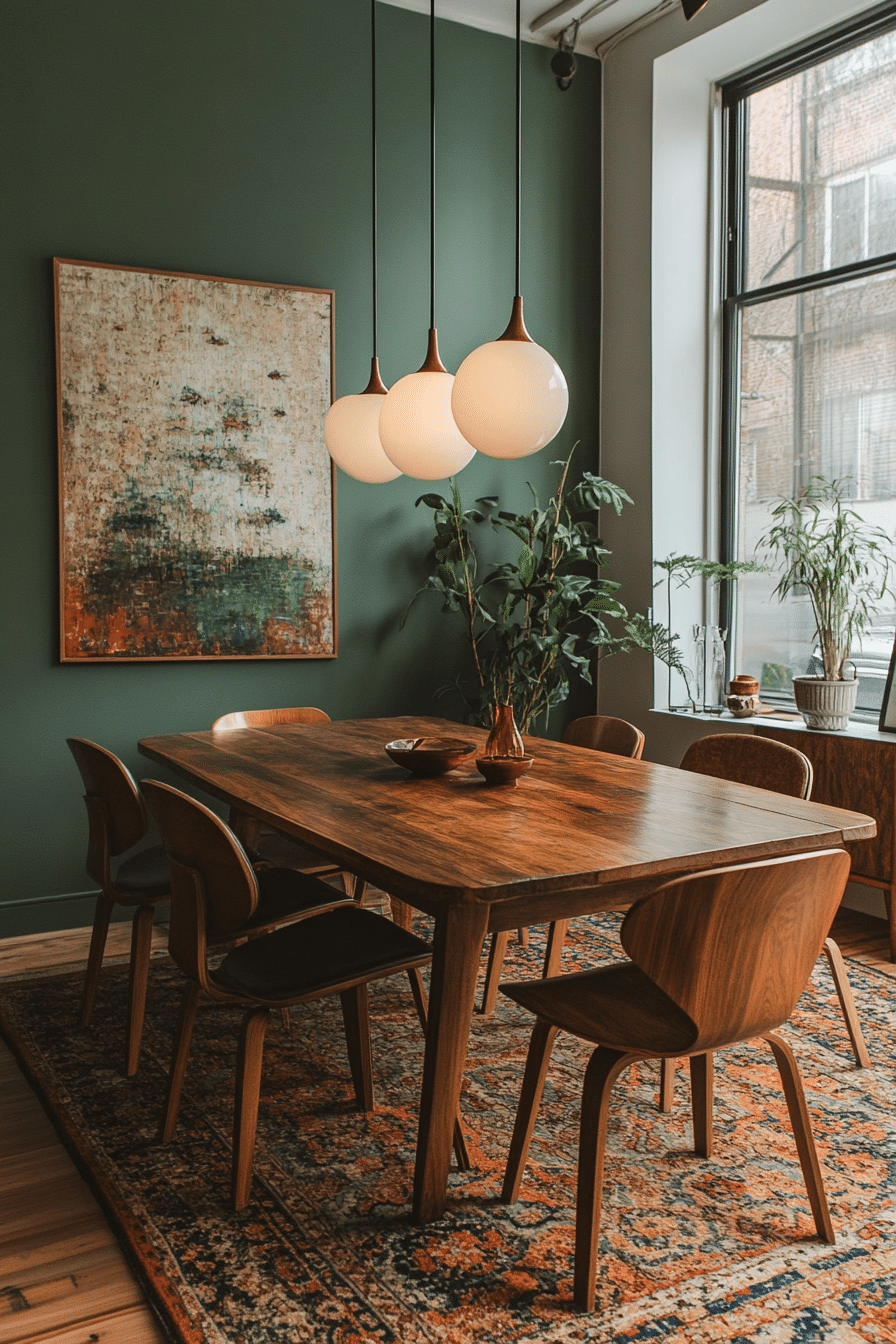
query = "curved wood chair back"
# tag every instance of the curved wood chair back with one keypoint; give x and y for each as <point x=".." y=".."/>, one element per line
<point x="269" y="718"/>
<point x="117" y="817"/>
<point x="735" y="947"/>
<point x="214" y="890"/>
<point x="601" y="732"/>
<point x="745" y="759"/>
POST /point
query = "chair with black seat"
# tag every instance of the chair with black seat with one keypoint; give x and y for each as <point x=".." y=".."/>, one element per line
<point x="117" y="823"/>
<point x="716" y="958"/>
<point x="264" y="843"/>
<point x="766" y="764"/>
<point x="599" y="732"/>
<point x="336" y="950"/>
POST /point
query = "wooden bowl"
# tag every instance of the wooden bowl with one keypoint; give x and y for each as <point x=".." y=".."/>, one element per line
<point x="503" y="769"/>
<point x="429" y="755"/>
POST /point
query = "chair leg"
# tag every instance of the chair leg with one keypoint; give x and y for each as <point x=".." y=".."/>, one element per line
<point x="496" y="954"/>
<point x="522" y="936"/>
<point x="180" y="1054"/>
<point x="141" y="947"/>
<point x="461" y="1156"/>
<point x="358" y="886"/>
<point x="847" y="1003"/>
<point x="418" y="992"/>
<point x="356" y="1020"/>
<point x="554" y="950"/>
<point x="102" y="915"/>
<point x="667" y="1084"/>
<point x="402" y="914"/>
<point x="701" y="1102"/>
<point x="246" y="829"/>
<point x="802" y="1133"/>
<point x="604" y="1068"/>
<point x="245" y="1103"/>
<point x="537" y="1060"/>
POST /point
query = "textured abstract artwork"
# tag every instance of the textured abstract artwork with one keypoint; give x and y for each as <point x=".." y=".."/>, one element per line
<point x="196" y="492"/>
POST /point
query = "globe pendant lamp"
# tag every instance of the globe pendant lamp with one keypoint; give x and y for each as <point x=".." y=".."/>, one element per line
<point x="417" y="429"/>
<point x="510" y="396"/>
<point x="351" y="425"/>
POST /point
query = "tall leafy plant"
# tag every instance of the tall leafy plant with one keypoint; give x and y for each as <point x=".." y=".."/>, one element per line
<point x="682" y="570"/>
<point x="834" y="556"/>
<point x="533" y="624"/>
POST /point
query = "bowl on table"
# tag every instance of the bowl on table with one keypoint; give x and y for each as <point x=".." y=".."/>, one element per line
<point x="503" y="769"/>
<point x="429" y="755"/>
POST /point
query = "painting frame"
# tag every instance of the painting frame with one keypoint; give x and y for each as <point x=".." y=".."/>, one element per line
<point x="197" y="501"/>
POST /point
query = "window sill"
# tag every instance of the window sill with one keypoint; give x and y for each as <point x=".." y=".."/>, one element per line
<point x="781" y="719"/>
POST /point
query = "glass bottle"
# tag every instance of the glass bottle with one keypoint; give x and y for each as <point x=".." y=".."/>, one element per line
<point x="709" y="666"/>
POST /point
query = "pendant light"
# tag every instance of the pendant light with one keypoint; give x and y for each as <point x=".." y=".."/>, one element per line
<point x="351" y="425"/>
<point x="510" y="396"/>
<point x="417" y="429"/>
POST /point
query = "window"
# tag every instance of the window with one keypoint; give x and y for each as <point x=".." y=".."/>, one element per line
<point x="810" y="320"/>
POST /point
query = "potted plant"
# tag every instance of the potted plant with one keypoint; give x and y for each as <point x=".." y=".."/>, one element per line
<point x="842" y="563"/>
<point x="533" y="623"/>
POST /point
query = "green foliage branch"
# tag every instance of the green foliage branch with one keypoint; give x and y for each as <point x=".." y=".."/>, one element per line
<point x="837" y="558"/>
<point x="535" y="623"/>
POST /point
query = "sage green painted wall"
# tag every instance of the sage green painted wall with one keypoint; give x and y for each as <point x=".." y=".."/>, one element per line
<point x="232" y="139"/>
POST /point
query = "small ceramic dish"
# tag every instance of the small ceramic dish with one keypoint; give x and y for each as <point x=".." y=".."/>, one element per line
<point x="429" y="755"/>
<point x="503" y="769"/>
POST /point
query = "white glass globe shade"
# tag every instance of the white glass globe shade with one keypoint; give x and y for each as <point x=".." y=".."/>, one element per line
<point x="510" y="398"/>
<point x="352" y="436"/>
<point x="417" y="429"/>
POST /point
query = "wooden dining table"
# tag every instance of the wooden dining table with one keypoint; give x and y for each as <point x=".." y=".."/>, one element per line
<point x="581" y="832"/>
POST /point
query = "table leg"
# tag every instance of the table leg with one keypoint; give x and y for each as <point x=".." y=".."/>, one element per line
<point x="457" y="947"/>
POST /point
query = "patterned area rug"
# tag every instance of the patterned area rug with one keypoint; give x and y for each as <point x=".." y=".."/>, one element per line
<point x="690" y="1249"/>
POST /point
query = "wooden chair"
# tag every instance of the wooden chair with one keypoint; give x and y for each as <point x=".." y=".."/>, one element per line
<point x="267" y="718"/>
<point x="716" y="958"/>
<point x="600" y="732"/>
<point x="336" y="950"/>
<point x="117" y="822"/>
<point x="766" y="764"/>
<point x="264" y="843"/>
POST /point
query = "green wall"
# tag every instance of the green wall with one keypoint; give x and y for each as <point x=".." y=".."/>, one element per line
<point x="232" y="139"/>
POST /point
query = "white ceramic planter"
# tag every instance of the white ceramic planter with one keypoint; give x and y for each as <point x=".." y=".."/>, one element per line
<point x="825" y="704"/>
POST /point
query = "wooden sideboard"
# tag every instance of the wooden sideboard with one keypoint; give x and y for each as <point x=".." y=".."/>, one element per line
<point x="855" y="769"/>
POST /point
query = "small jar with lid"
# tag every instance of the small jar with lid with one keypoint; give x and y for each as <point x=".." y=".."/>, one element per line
<point x="743" y="696"/>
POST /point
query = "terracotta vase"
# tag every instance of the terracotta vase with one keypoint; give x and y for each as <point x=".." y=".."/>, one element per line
<point x="504" y="738"/>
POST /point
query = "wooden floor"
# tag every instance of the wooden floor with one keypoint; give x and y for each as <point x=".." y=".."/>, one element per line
<point x="63" y="1278"/>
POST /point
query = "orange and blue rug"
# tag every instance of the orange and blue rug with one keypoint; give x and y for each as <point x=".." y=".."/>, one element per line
<point x="691" y="1249"/>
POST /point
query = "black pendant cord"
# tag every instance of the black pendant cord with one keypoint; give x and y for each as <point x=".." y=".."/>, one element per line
<point x="519" y="109"/>
<point x="373" y="202"/>
<point x="432" y="164"/>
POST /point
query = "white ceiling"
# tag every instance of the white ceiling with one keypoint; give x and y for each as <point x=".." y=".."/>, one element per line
<point x="602" y="21"/>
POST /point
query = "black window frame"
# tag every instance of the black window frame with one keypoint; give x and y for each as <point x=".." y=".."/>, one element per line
<point x="735" y="295"/>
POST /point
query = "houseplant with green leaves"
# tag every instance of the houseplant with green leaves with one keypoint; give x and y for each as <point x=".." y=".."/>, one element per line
<point x="682" y="570"/>
<point x="535" y="623"/>
<point x="829" y="553"/>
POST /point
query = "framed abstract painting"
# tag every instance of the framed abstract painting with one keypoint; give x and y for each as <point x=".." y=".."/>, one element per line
<point x="197" y="515"/>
